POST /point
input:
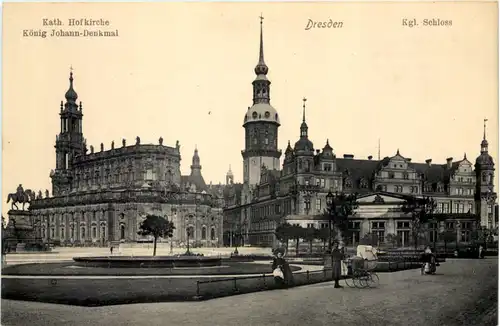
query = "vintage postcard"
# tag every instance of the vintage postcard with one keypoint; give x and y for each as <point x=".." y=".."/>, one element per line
<point x="250" y="163"/>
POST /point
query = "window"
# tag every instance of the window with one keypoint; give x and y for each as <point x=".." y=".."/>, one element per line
<point x="398" y="188"/>
<point x="327" y="167"/>
<point x="354" y="225"/>
<point x="62" y="233"/>
<point x="94" y="232"/>
<point x="450" y="225"/>
<point x="150" y="175"/>
<point x="403" y="237"/>
<point x="466" y="236"/>
<point x="83" y="233"/>
<point x="461" y="208"/>
<point x="355" y="236"/>
<point x="52" y="232"/>
<point x="466" y="225"/>
<point x="470" y="208"/>
<point x="322" y="184"/>
<point x="212" y="234"/>
<point x="310" y="225"/>
<point x="66" y="161"/>
<point x="378" y="228"/>
<point x="266" y="141"/>
<point x="490" y="209"/>
<point x="318" y="204"/>
<point x="457" y="207"/>
<point x="324" y="225"/>
<point x="433" y="231"/>
<point x="391" y="175"/>
<point x="403" y="225"/>
<point x="122" y="232"/>
<point x="204" y="233"/>
<point x="405" y="175"/>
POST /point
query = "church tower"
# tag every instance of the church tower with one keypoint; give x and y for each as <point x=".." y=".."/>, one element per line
<point x="229" y="177"/>
<point x="485" y="192"/>
<point x="261" y="124"/>
<point x="69" y="141"/>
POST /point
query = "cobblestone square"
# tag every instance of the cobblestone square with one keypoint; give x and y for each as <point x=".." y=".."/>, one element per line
<point x="464" y="292"/>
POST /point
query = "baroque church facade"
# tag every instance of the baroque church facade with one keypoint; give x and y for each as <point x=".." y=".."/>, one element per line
<point x="102" y="196"/>
<point x="296" y="190"/>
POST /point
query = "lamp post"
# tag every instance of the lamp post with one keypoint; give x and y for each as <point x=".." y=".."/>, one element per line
<point x="329" y="205"/>
<point x="188" y="233"/>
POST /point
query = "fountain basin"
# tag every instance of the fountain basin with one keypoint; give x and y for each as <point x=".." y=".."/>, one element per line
<point x="147" y="261"/>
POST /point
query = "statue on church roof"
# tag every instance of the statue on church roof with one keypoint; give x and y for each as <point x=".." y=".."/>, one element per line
<point x="160" y="141"/>
<point x="137" y="140"/>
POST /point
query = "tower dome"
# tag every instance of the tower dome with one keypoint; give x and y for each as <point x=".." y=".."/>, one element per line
<point x="71" y="95"/>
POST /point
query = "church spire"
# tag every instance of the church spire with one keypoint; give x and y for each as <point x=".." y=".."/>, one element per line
<point x="71" y="95"/>
<point x="196" y="160"/>
<point x="303" y="126"/>
<point x="261" y="68"/>
<point x="484" y="143"/>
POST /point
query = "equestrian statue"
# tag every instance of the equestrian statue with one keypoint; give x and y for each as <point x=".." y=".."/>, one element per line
<point x="21" y="196"/>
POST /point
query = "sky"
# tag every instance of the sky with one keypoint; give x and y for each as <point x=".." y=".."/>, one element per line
<point x="183" y="71"/>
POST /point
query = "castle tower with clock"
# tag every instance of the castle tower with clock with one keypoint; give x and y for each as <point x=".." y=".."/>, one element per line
<point x="261" y="125"/>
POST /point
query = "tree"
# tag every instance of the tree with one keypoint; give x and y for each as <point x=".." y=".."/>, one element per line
<point x="310" y="235"/>
<point x="156" y="226"/>
<point x="323" y="234"/>
<point x="421" y="210"/>
<point x="283" y="233"/>
<point x="339" y="207"/>
<point x="297" y="233"/>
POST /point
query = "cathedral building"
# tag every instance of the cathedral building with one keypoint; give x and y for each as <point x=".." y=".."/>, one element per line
<point x="102" y="196"/>
<point x="295" y="191"/>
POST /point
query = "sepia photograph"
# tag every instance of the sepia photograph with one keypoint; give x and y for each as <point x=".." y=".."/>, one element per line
<point x="251" y="163"/>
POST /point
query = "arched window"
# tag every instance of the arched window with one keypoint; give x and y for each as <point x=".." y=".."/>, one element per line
<point x="62" y="233"/>
<point x="212" y="234"/>
<point x="122" y="232"/>
<point x="203" y="233"/>
<point x="94" y="232"/>
<point x="83" y="232"/>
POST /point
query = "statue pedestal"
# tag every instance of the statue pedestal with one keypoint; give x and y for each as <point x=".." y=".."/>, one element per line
<point x="22" y="231"/>
<point x="23" y="220"/>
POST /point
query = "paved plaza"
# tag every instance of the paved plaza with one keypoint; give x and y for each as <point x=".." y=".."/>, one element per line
<point x="463" y="293"/>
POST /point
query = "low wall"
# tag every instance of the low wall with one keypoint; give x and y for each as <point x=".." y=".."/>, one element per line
<point x="97" y="291"/>
<point x="139" y="262"/>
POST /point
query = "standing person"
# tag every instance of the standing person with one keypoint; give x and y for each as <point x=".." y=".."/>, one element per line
<point x="481" y="252"/>
<point x="111" y="250"/>
<point x="337" y="257"/>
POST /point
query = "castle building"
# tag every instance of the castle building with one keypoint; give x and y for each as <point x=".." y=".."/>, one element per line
<point x="296" y="191"/>
<point x="102" y="196"/>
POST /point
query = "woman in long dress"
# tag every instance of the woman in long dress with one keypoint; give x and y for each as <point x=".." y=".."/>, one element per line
<point x="429" y="261"/>
<point x="282" y="272"/>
